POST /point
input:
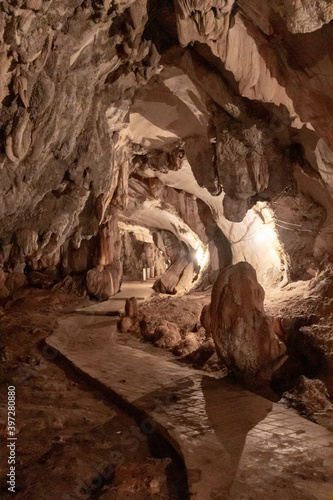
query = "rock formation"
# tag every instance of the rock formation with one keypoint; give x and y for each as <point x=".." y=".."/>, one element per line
<point x="193" y="133"/>
<point x="167" y="335"/>
<point x="244" y="337"/>
<point x="130" y="321"/>
<point x="210" y="120"/>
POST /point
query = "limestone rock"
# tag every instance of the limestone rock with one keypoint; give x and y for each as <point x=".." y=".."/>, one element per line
<point x="303" y="16"/>
<point x="295" y="212"/>
<point x="128" y="324"/>
<point x="205" y="318"/>
<point x="309" y="397"/>
<point x="40" y="280"/>
<point x="187" y="345"/>
<point x="34" y="4"/>
<point x="15" y="280"/>
<point x="182" y="310"/>
<point x="108" y="106"/>
<point x="200" y="152"/>
<point x="100" y="282"/>
<point x="186" y="278"/>
<point x="4" y="292"/>
<point x="137" y="254"/>
<point x="199" y="357"/>
<point x="243" y="335"/>
<point x="169" y="281"/>
<point x="131" y="308"/>
<point x="63" y="107"/>
<point x="72" y="284"/>
<point x="167" y="334"/>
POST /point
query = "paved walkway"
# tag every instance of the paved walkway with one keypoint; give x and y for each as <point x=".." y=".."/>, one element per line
<point x="236" y="445"/>
<point x="142" y="290"/>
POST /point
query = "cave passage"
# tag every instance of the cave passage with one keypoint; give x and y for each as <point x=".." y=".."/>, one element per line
<point x="166" y="236"/>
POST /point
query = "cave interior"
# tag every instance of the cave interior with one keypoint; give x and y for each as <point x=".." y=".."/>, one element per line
<point x="166" y="178"/>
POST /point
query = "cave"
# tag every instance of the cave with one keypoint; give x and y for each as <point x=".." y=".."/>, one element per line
<point x="166" y="249"/>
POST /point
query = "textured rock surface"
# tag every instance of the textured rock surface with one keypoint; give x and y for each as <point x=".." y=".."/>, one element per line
<point x="131" y="307"/>
<point x="138" y="254"/>
<point x="208" y="120"/>
<point x="167" y="335"/>
<point x="243" y="335"/>
<point x="171" y="281"/>
<point x="184" y="311"/>
<point x="305" y="312"/>
<point x="95" y="93"/>
<point x="63" y="93"/>
<point x="310" y="398"/>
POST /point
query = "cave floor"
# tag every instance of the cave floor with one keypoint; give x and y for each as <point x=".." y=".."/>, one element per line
<point x="236" y="445"/>
<point x="73" y="442"/>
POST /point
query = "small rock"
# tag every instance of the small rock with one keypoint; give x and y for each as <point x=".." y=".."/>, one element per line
<point x="187" y="346"/>
<point x="40" y="280"/>
<point x="167" y="334"/>
<point x="131" y="307"/>
<point x="34" y="4"/>
<point x="128" y="324"/>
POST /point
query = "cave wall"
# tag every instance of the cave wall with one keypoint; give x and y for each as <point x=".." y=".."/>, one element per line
<point x="138" y="254"/>
<point x="239" y="92"/>
<point x="69" y="71"/>
<point x="261" y="116"/>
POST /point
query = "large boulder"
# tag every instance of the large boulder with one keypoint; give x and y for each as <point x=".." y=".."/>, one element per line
<point x="102" y="282"/>
<point x="171" y="279"/>
<point x="244" y="336"/>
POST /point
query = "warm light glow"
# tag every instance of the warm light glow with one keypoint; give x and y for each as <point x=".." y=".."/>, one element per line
<point x="265" y="233"/>
<point x="201" y="256"/>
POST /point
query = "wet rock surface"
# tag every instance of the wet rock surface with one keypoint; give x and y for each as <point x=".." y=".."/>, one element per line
<point x="258" y="447"/>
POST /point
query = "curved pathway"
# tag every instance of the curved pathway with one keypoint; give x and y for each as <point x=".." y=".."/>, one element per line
<point x="235" y="445"/>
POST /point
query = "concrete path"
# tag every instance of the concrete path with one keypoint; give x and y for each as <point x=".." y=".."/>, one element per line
<point x="139" y="289"/>
<point x="236" y="445"/>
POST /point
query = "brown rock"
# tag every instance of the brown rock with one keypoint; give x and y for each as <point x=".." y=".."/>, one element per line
<point x="187" y="346"/>
<point x="309" y="397"/>
<point x="126" y="324"/>
<point x="200" y="356"/>
<point x="205" y="318"/>
<point x="72" y="284"/>
<point x="101" y="283"/>
<point x="4" y="292"/>
<point x="131" y="307"/>
<point x="243" y="335"/>
<point x="186" y="278"/>
<point x="40" y="280"/>
<point x="169" y="281"/>
<point x="34" y="4"/>
<point x="168" y="335"/>
<point x="15" y="280"/>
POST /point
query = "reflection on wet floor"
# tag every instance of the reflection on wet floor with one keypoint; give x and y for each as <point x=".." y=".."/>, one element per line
<point x="236" y="445"/>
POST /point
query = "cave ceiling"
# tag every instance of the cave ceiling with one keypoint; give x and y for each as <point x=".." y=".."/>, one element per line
<point x="194" y="117"/>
